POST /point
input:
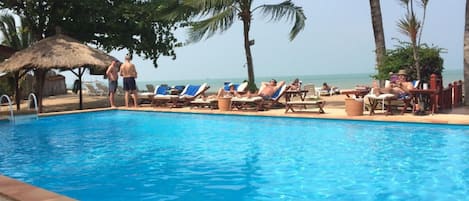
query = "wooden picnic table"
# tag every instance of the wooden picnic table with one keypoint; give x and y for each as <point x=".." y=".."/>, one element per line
<point x="427" y="96"/>
<point x="359" y="93"/>
<point x="290" y="93"/>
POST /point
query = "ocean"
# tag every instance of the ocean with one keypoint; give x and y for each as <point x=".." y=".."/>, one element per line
<point x="342" y="81"/>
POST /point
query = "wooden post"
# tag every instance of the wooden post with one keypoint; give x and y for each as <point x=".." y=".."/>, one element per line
<point x="432" y="81"/>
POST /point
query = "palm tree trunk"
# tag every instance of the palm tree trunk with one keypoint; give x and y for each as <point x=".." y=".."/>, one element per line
<point x="378" y="31"/>
<point x="17" y="90"/>
<point x="247" y="49"/>
<point x="40" y="75"/>
<point x="246" y="18"/>
<point x="466" y="57"/>
<point x="416" y="59"/>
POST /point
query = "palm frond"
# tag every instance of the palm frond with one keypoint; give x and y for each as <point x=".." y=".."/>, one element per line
<point x="288" y="11"/>
<point x="175" y="10"/>
<point x="9" y="31"/>
<point x="424" y="3"/>
<point x="405" y="4"/>
<point x="209" y="7"/>
<point x="15" y="36"/>
<point x="208" y="27"/>
<point x="409" y="26"/>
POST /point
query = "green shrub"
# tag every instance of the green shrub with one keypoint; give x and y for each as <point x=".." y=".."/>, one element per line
<point x="402" y="58"/>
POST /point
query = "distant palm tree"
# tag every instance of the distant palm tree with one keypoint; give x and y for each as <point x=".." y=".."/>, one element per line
<point x="18" y="38"/>
<point x="466" y="56"/>
<point x="412" y="27"/>
<point x="221" y="15"/>
<point x="378" y="30"/>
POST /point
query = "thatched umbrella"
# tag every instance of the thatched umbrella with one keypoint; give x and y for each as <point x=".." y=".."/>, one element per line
<point x="57" y="52"/>
<point x="6" y="51"/>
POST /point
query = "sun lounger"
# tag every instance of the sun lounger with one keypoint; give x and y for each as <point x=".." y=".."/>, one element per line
<point x="150" y="87"/>
<point x="240" y="88"/>
<point x="312" y="93"/>
<point x="211" y="103"/>
<point x="93" y="91"/>
<point x="259" y="102"/>
<point x="187" y="95"/>
<point x="387" y="101"/>
<point x="102" y="87"/>
<point x="148" y="96"/>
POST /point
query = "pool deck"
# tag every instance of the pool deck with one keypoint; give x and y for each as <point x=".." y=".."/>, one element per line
<point x="13" y="190"/>
<point x="334" y="109"/>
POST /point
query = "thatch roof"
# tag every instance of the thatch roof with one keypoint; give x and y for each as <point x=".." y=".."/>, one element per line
<point x="57" y="52"/>
<point x="6" y="51"/>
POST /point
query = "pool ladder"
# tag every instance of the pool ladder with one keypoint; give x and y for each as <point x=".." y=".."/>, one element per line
<point x="31" y="99"/>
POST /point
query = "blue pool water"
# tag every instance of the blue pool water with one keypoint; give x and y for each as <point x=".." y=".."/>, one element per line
<point x="122" y="155"/>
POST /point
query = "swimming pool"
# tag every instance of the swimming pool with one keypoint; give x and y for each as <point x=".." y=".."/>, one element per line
<point x="125" y="155"/>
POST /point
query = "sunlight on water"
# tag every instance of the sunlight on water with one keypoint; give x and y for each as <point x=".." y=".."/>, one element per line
<point x="122" y="155"/>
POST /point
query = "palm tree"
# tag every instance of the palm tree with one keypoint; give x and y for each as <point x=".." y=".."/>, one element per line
<point x="221" y="14"/>
<point x="412" y="27"/>
<point x="378" y="31"/>
<point x="16" y="37"/>
<point x="466" y="56"/>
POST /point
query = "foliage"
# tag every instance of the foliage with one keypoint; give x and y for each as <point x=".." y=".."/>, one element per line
<point x="16" y="37"/>
<point x="208" y="17"/>
<point x="402" y="58"/>
<point x="6" y="86"/>
<point x="113" y="24"/>
<point x="412" y="27"/>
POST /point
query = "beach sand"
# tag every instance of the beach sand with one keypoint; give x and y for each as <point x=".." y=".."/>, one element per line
<point x="334" y="109"/>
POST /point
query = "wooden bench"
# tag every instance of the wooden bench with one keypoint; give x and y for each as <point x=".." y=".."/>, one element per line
<point x="319" y="103"/>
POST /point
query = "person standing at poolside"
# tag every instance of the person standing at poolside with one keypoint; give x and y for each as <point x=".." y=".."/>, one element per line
<point x="128" y="72"/>
<point x="112" y="76"/>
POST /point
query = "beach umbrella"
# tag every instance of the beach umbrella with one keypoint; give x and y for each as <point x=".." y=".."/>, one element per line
<point x="57" y="52"/>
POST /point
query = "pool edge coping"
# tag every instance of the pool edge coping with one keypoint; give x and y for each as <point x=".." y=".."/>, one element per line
<point x="15" y="190"/>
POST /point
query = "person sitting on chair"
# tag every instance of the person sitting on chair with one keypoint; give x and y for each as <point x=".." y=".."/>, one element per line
<point x="400" y="88"/>
<point x="295" y="85"/>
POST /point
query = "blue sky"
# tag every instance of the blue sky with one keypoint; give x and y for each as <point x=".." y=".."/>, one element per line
<point x="337" y="39"/>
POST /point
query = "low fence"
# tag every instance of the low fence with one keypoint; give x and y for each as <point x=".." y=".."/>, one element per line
<point x="449" y="97"/>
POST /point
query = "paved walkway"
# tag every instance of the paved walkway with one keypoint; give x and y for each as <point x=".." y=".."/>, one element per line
<point x="334" y="108"/>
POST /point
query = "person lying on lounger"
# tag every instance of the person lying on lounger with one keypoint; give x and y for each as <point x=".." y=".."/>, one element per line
<point x="268" y="89"/>
<point x="232" y="92"/>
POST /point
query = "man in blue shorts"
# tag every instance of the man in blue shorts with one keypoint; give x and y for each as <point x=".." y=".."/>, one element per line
<point x="112" y="76"/>
<point x="128" y="72"/>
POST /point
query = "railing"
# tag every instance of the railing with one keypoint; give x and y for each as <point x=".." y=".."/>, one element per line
<point x="447" y="98"/>
<point x="457" y="91"/>
<point x="10" y="107"/>
<point x="34" y="98"/>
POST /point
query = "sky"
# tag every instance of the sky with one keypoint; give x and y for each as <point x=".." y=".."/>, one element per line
<point x="338" y="39"/>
